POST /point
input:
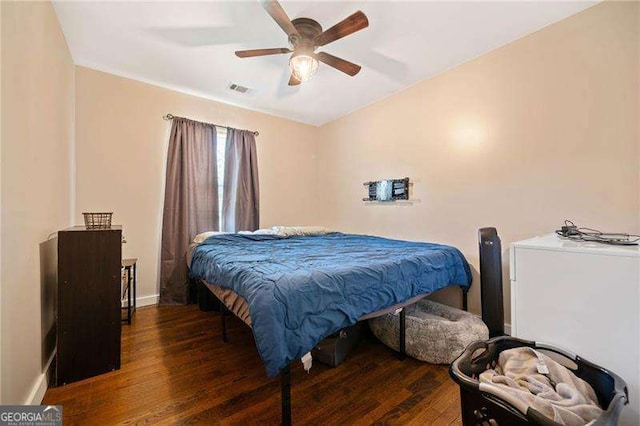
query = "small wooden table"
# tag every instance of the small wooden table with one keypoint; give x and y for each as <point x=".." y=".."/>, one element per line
<point x="129" y="266"/>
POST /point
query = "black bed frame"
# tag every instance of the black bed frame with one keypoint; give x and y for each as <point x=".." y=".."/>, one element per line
<point x="491" y="301"/>
<point x="206" y="302"/>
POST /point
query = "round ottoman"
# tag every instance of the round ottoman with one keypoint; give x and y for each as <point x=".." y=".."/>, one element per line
<point x="434" y="332"/>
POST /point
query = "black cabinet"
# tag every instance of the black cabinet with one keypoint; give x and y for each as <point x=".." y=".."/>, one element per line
<point x="88" y="314"/>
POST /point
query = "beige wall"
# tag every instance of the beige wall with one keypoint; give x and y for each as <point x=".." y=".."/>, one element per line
<point x="541" y="130"/>
<point x="36" y="167"/>
<point x="121" y="148"/>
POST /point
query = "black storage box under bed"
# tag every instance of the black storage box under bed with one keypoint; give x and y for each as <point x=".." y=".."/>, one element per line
<point x="333" y="349"/>
<point x="480" y="408"/>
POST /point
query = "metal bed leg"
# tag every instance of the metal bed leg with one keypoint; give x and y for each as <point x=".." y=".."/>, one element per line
<point x="402" y="354"/>
<point x="285" y="395"/>
<point x="465" y="293"/>
<point x="223" y="315"/>
<point x="129" y="295"/>
<point x="135" y="284"/>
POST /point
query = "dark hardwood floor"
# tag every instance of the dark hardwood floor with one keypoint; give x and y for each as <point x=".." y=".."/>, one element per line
<point x="177" y="370"/>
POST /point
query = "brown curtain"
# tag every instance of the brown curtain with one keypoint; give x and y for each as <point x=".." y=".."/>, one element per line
<point x="240" y="199"/>
<point x="190" y="202"/>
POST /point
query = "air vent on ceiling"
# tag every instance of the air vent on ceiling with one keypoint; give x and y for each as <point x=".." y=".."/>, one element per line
<point x="240" y="89"/>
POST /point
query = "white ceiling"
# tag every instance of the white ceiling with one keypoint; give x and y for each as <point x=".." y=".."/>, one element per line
<point x="190" y="46"/>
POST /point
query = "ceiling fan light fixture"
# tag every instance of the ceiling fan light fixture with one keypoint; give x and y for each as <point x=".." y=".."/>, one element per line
<point x="303" y="66"/>
<point x="305" y="36"/>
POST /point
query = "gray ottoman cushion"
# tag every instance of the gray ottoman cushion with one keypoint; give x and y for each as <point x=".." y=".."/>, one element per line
<point x="434" y="332"/>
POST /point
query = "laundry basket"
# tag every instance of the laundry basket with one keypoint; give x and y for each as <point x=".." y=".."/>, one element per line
<point x="480" y="408"/>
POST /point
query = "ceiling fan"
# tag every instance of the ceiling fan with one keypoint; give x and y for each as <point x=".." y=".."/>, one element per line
<point x="305" y="36"/>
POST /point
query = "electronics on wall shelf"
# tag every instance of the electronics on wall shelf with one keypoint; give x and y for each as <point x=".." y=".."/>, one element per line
<point x="387" y="190"/>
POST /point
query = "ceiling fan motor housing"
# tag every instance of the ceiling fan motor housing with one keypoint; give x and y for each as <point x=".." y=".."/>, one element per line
<point x="308" y="29"/>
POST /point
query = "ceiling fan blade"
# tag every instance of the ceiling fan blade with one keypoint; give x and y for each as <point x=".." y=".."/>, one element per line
<point x="339" y="63"/>
<point x="261" y="52"/>
<point x="293" y="81"/>
<point x="350" y="25"/>
<point x="278" y="14"/>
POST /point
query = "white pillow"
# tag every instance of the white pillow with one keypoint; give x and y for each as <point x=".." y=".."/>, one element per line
<point x="204" y="235"/>
<point x="289" y="231"/>
<point x="283" y="231"/>
<point x="258" y="232"/>
<point x="269" y="231"/>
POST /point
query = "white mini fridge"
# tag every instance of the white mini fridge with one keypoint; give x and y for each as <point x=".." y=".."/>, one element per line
<point x="583" y="297"/>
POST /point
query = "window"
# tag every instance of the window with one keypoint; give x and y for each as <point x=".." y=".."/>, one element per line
<point x="221" y="143"/>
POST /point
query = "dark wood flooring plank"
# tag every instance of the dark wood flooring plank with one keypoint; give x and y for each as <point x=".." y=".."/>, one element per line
<point x="176" y="370"/>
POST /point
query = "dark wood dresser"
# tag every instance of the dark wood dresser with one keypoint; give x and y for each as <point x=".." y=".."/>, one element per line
<point x="88" y="330"/>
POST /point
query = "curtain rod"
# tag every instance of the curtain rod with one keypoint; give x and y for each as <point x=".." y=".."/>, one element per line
<point x="169" y="117"/>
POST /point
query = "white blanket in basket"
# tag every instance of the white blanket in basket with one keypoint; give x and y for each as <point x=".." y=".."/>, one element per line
<point x="526" y="378"/>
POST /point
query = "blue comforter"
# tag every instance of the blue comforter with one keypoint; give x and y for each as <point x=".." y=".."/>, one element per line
<point x="301" y="289"/>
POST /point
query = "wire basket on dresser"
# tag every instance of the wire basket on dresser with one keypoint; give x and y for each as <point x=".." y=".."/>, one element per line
<point x="97" y="220"/>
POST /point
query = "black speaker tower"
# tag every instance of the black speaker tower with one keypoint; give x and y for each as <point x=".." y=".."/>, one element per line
<point x="491" y="280"/>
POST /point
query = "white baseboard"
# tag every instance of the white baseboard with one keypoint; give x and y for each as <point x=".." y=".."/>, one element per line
<point x="147" y="300"/>
<point x="144" y="301"/>
<point x="507" y="327"/>
<point x="40" y="387"/>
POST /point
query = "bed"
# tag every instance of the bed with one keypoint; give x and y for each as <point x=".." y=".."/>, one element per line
<point x="294" y="291"/>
